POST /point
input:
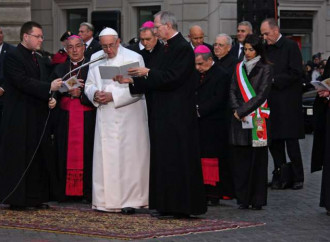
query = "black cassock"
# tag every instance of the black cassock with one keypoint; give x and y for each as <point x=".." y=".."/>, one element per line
<point x="61" y="127"/>
<point x="176" y="183"/>
<point x="212" y="98"/>
<point x="24" y="116"/>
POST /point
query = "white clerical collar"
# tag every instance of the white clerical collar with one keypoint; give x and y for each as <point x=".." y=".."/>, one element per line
<point x="76" y="63"/>
<point x="141" y="46"/>
<point x="192" y="45"/>
<point x="278" y="38"/>
<point x="173" y="35"/>
<point x="89" y="42"/>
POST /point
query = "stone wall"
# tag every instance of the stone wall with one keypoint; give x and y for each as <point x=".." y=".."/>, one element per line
<point x="13" y="13"/>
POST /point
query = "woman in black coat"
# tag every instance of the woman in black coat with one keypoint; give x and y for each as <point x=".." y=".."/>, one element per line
<point x="248" y="95"/>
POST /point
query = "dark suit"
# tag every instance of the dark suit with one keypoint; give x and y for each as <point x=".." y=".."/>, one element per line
<point x="5" y="48"/>
<point x="176" y="182"/>
<point x="235" y="50"/>
<point x="285" y="102"/>
<point x="92" y="48"/>
<point x="135" y="47"/>
<point x="24" y="116"/>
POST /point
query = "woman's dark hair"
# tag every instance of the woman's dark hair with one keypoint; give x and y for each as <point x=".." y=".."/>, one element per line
<point x="257" y="44"/>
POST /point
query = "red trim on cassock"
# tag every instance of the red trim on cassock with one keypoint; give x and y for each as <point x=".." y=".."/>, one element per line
<point x="75" y="151"/>
<point x="210" y="167"/>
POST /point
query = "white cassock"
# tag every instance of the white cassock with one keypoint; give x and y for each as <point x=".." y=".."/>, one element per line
<point x="121" y="145"/>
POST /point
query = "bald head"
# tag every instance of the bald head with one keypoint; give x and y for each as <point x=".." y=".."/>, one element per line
<point x="196" y="35"/>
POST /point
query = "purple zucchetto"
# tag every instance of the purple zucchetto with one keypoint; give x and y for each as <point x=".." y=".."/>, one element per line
<point x="148" y="24"/>
<point x="202" y="49"/>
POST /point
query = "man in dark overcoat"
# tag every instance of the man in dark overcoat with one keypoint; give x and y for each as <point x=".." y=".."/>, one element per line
<point x="176" y="182"/>
<point x="86" y="32"/>
<point x="285" y="101"/>
<point x="26" y="106"/>
<point x="243" y="29"/>
<point x="222" y="46"/>
<point x="4" y="48"/>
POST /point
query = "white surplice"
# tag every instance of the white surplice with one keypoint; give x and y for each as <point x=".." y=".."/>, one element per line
<point x="121" y="145"/>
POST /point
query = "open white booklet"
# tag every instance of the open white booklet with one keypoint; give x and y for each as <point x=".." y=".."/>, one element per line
<point x="109" y="72"/>
<point x="69" y="84"/>
<point x="322" y="85"/>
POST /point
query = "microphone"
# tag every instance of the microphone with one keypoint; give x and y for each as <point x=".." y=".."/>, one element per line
<point x="101" y="57"/>
<point x="105" y="55"/>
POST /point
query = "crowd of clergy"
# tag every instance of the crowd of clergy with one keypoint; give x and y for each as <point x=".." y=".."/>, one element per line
<point x="188" y="125"/>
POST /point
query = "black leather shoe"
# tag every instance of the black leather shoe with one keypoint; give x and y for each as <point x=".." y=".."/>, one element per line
<point x="42" y="206"/>
<point x="242" y="206"/>
<point x="256" y="207"/>
<point x="297" y="185"/>
<point x="127" y="211"/>
<point x="17" y="208"/>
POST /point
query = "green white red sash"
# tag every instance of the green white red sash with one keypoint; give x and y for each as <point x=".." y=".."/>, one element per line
<point x="259" y="130"/>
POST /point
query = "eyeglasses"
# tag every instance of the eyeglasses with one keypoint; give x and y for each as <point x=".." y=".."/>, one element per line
<point x="157" y="27"/>
<point x="111" y="46"/>
<point x="219" y="45"/>
<point x="37" y="36"/>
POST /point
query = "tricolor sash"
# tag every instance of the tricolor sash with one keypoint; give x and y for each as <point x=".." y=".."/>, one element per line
<point x="259" y="130"/>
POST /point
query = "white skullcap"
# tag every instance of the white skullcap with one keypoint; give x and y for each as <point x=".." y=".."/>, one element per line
<point x="108" y="31"/>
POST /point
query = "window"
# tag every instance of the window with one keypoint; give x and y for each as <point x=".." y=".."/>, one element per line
<point x="74" y="18"/>
<point x="146" y="14"/>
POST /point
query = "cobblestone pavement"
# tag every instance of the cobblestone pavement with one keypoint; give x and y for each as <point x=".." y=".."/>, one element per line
<point x="290" y="216"/>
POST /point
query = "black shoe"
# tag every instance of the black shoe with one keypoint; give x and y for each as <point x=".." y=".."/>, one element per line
<point x="256" y="207"/>
<point x="297" y="185"/>
<point x="17" y="208"/>
<point x="42" y="206"/>
<point x="242" y="206"/>
<point x="86" y="201"/>
<point x="213" y="202"/>
<point x="181" y="216"/>
<point x="328" y="212"/>
<point x="128" y="211"/>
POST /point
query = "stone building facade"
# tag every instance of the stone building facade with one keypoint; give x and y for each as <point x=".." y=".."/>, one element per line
<point x="307" y="21"/>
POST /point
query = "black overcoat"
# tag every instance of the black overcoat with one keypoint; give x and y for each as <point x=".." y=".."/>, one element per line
<point x="92" y="48"/>
<point x="24" y="116"/>
<point x="212" y="100"/>
<point x="285" y="98"/>
<point x="260" y="79"/>
<point x="176" y="182"/>
<point x="61" y="124"/>
<point x="228" y="62"/>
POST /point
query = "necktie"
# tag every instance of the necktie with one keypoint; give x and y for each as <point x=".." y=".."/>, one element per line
<point x="241" y="55"/>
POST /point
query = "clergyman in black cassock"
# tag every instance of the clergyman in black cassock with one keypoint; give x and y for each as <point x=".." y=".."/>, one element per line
<point x="176" y="182"/>
<point x="69" y="126"/>
<point x="24" y="117"/>
<point x="211" y="94"/>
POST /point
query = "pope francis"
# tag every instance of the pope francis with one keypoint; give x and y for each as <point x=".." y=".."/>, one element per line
<point x="121" y="144"/>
